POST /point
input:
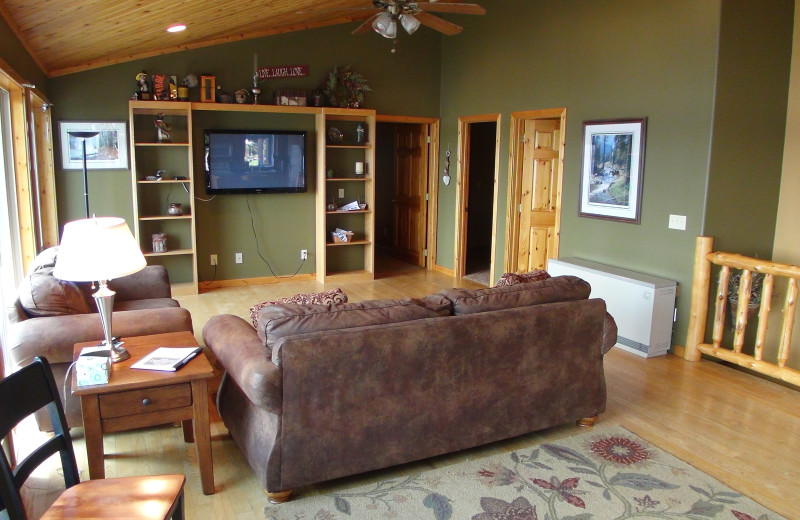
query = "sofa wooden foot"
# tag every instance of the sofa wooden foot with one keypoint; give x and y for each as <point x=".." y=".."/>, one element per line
<point x="280" y="497"/>
<point x="586" y="422"/>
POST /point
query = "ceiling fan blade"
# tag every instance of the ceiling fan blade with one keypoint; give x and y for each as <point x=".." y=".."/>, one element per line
<point x="438" y="7"/>
<point x="366" y="26"/>
<point x="439" y="24"/>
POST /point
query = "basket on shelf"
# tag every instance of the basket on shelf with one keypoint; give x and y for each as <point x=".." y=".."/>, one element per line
<point x="341" y="236"/>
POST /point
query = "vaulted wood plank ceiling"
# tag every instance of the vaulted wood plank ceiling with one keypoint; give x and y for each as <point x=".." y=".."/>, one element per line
<point x="66" y="36"/>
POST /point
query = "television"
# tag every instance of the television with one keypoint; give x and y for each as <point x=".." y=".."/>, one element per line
<point x="255" y="161"/>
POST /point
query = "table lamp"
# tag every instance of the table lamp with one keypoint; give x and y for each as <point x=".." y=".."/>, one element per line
<point x="99" y="249"/>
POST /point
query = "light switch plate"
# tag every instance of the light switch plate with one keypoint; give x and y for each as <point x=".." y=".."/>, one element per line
<point x="677" y="222"/>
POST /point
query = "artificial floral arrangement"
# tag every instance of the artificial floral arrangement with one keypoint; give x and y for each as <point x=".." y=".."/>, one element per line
<point x="345" y="88"/>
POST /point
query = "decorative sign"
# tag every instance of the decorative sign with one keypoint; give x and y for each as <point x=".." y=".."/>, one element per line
<point x="286" y="71"/>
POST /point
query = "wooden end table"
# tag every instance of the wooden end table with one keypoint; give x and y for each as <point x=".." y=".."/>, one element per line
<point x="136" y="398"/>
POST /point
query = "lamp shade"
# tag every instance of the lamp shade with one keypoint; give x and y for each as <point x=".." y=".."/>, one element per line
<point x="385" y="25"/>
<point x="409" y="23"/>
<point x="100" y="248"/>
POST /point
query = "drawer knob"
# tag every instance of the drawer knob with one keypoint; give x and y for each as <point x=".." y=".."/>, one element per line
<point x="146" y="402"/>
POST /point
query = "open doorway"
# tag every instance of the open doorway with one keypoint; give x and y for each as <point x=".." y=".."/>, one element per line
<point x="476" y="211"/>
<point x="404" y="191"/>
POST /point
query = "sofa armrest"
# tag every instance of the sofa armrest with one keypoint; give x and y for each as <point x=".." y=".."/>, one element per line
<point x="236" y="345"/>
<point x="55" y="336"/>
<point x="150" y="282"/>
<point x="609" y="333"/>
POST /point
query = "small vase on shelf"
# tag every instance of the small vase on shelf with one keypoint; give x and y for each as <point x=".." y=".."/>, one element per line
<point x="175" y="209"/>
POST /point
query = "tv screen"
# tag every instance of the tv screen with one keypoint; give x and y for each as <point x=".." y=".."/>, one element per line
<point x="249" y="161"/>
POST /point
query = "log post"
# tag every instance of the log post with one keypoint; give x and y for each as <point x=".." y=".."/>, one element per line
<point x="699" y="304"/>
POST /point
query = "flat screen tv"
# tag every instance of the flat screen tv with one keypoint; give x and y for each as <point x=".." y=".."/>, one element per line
<point x="255" y="161"/>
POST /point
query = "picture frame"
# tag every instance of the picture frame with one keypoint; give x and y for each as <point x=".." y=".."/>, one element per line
<point x="612" y="169"/>
<point x="108" y="150"/>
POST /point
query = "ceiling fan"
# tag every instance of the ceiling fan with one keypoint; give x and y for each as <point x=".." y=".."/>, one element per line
<point x="410" y="15"/>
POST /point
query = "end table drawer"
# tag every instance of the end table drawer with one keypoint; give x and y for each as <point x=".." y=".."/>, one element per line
<point x="131" y="402"/>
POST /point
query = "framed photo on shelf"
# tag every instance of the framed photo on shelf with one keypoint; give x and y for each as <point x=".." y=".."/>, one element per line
<point x="106" y="150"/>
<point x="612" y="166"/>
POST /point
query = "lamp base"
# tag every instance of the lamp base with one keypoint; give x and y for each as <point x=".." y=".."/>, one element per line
<point x="118" y="353"/>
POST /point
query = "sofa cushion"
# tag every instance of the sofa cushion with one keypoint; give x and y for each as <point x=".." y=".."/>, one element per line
<point x="42" y="294"/>
<point x="558" y="289"/>
<point x="288" y="319"/>
<point x="515" y="278"/>
<point x="149" y="303"/>
<point x="322" y="298"/>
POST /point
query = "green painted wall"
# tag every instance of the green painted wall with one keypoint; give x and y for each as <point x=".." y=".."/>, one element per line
<point x="749" y="126"/>
<point x="610" y="59"/>
<point x="406" y="83"/>
<point x="15" y="54"/>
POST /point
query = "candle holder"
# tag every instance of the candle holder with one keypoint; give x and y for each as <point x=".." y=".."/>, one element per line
<point x="255" y="89"/>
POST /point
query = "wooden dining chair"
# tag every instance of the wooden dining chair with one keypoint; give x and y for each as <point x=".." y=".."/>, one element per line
<point x="151" y="497"/>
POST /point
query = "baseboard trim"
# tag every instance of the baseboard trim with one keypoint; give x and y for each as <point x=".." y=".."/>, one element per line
<point x="444" y="270"/>
<point x="262" y="280"/>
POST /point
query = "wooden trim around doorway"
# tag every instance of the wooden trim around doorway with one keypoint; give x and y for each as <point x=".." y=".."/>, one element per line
<point x="433" y="178"/>
<point x="514" y="193"/>
<point x="462" y="191"/>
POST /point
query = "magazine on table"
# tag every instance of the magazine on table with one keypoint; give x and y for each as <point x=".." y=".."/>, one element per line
<point x="168" y="359"/>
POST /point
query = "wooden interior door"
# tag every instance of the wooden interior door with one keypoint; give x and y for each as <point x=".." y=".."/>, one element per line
<point x="410" y="185"/>
<point x="540" y="196"/>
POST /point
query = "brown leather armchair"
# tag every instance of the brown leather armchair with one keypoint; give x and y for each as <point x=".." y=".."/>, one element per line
<point x="50" y="316"/>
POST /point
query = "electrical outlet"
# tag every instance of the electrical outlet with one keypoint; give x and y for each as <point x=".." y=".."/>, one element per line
<point x="341" y="193"/>
<point x="238" y="258"/>
<point x="213" y="259"/>
<point x="304" y="254"/>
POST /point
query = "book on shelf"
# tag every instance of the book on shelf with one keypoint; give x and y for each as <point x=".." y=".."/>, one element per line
<point x="167" y="359"/>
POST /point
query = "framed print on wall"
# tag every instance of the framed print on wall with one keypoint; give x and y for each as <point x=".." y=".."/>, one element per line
<point x="107" y="150"/>
<point x="612" y="166"/>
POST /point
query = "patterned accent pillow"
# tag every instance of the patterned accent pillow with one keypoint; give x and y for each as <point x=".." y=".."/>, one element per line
<point x="323" y="298"/>
<point x="514" y="278"/>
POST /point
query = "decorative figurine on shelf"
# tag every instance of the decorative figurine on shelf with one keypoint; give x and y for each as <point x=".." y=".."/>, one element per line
<point x="242" y="96"/>
<point x="360" y="133"/>
<point x="142" y="87"/>
<point x="157" y="177"/>
<point x="189" y="81"/>
<point x="163" y="129"/>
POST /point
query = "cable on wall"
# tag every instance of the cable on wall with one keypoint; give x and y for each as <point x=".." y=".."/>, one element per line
<point x="258" y="246"/>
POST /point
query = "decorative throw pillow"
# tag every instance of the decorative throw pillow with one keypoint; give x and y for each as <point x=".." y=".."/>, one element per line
<point x="515" y="278"/>
<point x="41" y="294"/>
<point x="322" y="298"/>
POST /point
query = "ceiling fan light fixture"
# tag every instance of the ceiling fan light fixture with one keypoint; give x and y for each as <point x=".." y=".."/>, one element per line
<point x="409" y="23"/>
<point x="385" y="25"/>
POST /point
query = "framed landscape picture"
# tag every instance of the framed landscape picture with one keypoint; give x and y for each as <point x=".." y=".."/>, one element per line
<point x="106" y="150"/>
<point x="612" y="166"/>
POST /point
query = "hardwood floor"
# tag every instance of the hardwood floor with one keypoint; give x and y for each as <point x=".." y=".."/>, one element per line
<point x="743" y="430"/>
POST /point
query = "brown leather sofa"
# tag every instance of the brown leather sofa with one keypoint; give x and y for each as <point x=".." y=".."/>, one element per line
<point x="321" y="392"/>
<point x="50" y="316"/>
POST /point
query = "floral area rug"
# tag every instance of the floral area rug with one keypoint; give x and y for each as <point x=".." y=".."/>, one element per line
<point x="603" y="474"/>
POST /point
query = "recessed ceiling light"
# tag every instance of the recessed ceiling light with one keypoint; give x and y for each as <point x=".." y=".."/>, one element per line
<point x="178" y="27"/>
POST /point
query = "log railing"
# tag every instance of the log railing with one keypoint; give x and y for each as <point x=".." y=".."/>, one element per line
<point x="695" y="346"/>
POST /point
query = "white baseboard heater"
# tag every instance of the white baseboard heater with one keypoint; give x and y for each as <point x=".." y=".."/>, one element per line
<point x="642" y="305"/>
